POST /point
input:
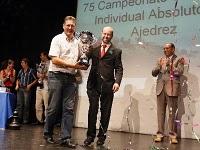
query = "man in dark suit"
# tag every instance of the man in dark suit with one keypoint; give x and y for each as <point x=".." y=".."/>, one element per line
<point x="168" y="71"/>
<point x="104" y="80"/>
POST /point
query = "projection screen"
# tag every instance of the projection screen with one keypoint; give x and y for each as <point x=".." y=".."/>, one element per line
<point x="141" y="27"/>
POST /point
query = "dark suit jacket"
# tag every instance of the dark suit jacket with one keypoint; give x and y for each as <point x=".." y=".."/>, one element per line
<point x="171" y="86"/>
<point x="109" y="68"/>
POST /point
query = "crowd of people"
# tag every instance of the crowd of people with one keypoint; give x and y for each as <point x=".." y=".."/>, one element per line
<point x="25" y="85"/>
<point x="56" y="85"/>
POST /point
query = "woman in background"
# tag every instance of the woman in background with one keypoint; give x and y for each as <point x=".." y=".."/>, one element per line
<point x="7" y="75"/>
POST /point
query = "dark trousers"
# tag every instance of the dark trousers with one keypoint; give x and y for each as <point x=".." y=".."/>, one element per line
<point x="62" y="90"/>
<point x="105" y="97"/>
<point x="23" y="104"/>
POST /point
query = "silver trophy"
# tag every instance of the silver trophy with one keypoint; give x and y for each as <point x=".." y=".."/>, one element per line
<point x="86" y="40"/>
<point x="42" y="69"/>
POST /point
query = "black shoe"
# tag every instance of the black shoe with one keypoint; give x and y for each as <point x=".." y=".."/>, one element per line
<point x="67" y="143"/>
<point x="88" y="141"/>
<point x="101" y="141"/>
<point x="49" y="139"/>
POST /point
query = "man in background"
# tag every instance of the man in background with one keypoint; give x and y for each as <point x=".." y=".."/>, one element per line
<point x="42" y="87"/>
<point x="26" y="79"/>
<point x="168" y="71"/>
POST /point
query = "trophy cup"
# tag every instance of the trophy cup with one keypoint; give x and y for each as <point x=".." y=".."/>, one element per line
<point x="42" y="69"/>
<point x="86" y="40"/>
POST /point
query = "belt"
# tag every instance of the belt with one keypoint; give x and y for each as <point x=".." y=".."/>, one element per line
<point x="63" y="73"/>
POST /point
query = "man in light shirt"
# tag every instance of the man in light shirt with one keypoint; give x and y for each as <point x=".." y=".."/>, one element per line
<point x="62" y="83"/>
<point x="42" y="88"/>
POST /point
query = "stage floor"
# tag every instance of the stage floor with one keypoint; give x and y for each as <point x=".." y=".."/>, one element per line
<point x="30" y="137"/>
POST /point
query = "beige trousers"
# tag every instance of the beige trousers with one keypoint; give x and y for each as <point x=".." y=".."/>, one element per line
<point x="41" y="100"/>
<point x="163" y="100"/>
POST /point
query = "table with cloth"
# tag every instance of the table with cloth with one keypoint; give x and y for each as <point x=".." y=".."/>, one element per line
<point x="7" y="101"/>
